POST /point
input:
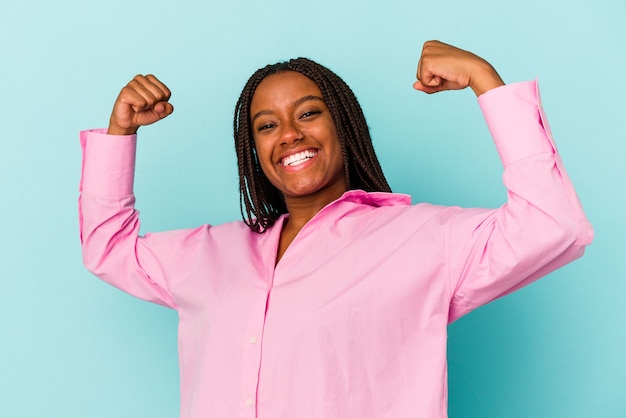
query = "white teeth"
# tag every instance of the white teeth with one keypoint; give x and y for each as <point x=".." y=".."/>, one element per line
<point x="298" y="158"/>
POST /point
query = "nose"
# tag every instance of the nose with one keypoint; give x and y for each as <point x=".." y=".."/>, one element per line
<point x="290" y="133"/>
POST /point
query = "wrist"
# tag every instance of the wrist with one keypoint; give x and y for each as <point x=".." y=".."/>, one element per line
<point x="485" y="78"/>
<point x="116" y="130"/>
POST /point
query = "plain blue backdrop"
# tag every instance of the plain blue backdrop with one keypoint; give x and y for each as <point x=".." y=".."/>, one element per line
<point x="72" y="346"/>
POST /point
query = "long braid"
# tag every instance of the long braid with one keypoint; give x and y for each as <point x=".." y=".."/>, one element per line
<point x="264" y="203"/>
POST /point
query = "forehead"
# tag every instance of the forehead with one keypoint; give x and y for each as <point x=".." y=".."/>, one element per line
<point x="282" y="88"/>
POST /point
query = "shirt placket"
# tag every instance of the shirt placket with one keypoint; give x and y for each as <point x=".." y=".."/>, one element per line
<point x="253" y="339"/>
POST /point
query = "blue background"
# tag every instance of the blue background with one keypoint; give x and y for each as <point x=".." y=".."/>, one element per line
<point x="72" y="346"/>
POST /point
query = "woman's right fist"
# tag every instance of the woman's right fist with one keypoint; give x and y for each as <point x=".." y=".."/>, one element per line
<point x="143" y="101"/>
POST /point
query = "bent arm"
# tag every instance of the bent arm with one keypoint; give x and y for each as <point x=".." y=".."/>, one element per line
<point x="541" y="227"/>
<point x="109" y="224"/>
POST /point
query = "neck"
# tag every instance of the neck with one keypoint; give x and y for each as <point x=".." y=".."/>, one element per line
<point x="302" y="209"/>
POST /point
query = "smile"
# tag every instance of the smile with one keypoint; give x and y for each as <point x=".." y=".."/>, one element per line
<point x="297" y="158"/>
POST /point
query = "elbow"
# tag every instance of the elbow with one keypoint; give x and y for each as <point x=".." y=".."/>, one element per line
<point x="571" y="238"/>
<point x="93" y="262"/>
<point x="95" y="258"/>
<point x="105" y="253"/>
<point x="576" y="232"/>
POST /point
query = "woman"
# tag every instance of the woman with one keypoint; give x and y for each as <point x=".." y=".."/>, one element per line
<point x="333" y="296"/>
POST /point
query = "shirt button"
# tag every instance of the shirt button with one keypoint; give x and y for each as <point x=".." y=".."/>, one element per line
<point x="249" y="402"/>
<point x="252" y="340"/>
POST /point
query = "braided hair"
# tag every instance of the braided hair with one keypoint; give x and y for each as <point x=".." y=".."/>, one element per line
<point x="260" y="202"/>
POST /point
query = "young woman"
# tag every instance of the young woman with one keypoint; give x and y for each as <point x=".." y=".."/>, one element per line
<point x="333" y="296"/>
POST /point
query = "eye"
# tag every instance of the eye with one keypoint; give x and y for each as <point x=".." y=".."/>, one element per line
<point x="310" y="114"/>
<point x="265" y="127"/>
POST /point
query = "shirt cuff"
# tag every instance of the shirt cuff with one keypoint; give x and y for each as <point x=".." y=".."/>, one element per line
<point x="108" y="163"/>
<point x="517" y="122"/>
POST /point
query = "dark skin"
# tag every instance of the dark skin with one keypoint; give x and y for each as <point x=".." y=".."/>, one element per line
<point x="298" y="148"/>
<point x="293" y="131"/>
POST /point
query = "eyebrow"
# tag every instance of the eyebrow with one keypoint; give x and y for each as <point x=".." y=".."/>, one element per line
<point x="296" y="103"/>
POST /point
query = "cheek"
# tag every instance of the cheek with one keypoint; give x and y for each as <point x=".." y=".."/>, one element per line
<point x="338" y="150"/>
<point x="264" y="159"/>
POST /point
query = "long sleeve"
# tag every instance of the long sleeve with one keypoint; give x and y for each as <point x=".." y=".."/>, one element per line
<point x="352" y="321"/>
<point x="541" y="227"/>
<point x="109" y="223"/>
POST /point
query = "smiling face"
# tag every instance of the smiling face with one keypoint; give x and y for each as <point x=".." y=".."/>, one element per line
<point x="296" y="139"/>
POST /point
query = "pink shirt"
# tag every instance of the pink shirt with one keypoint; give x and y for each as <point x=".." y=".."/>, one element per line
<point x="352" y="321"/>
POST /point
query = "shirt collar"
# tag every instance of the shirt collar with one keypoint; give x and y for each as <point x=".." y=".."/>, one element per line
<point x="375" y="199"/>
<point x="372" y="199"/>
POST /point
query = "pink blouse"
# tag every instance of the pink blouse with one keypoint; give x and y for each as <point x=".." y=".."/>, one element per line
<point x="352" y="321"/>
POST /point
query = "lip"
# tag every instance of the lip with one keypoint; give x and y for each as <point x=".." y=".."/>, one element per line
<point x="289" y="153"/>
